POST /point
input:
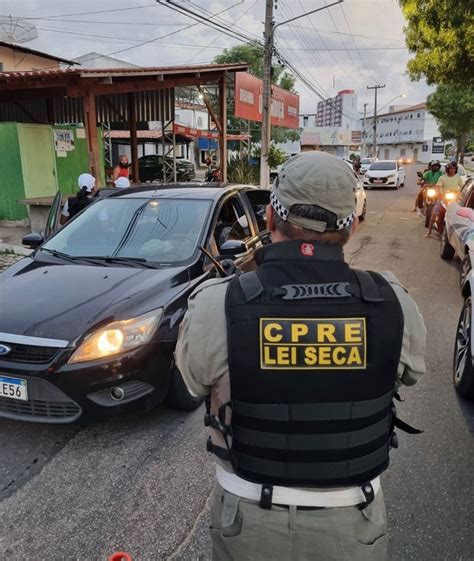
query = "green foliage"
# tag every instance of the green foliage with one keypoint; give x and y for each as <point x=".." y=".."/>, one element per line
<point x="453" y="108"/>
<point x="240" y="171"/>
<point x="441" y="34"/>
<point x="276" y="156"/>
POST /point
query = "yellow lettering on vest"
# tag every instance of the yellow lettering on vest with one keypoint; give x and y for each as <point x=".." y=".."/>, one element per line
<point x="326" y="333"/>
<point x="269" y="335"/>
<point x="294" y="355"/>
<point x="268" y="360"/>
<point x="353" y="333"/>
<point x="324" y="356"/>
<point x="298" y="330"/>
<point x="310" y="356"/>
<point x="283" y="356"/>
<point x="354" y="356"/>
<point x="339" y="356"/>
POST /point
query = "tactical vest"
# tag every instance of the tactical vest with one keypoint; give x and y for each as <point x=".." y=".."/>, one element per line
<point x="314" y="349"/>
<point x="76" y="204"/>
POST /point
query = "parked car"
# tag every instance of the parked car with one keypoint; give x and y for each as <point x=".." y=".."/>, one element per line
<point x="103" y="298"/>
<point x="384" y="173"/>
<point x="463" y="369"/>
<point x="151" y="168"/>
<point x="365" y="164"/>
<point x="458" y="234"/>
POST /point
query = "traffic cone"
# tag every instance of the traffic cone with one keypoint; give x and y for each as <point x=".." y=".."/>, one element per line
<point x="120" y="556"/>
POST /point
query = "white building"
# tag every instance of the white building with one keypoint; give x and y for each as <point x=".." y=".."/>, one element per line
<point x="408" y="132"/>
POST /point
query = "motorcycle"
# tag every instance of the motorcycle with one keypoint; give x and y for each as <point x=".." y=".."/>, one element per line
<point x="213" y="174"/>
<point x="432" y="197"/>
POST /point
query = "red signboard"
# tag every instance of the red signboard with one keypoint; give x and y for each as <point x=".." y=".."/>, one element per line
<point x="249" y="97"/>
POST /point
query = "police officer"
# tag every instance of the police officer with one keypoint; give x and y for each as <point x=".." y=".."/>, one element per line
<point x="300" y="362"/>
<point x="74" y="205"/>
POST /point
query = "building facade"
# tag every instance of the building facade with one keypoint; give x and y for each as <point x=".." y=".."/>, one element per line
<point x="408" y="132"/>
<point x="16" y="58"/>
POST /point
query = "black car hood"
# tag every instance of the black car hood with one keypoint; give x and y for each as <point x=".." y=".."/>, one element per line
<point x="65" y="301"/>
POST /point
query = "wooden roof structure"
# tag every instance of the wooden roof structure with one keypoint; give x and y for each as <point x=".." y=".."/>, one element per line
<point x="94" y="95"/>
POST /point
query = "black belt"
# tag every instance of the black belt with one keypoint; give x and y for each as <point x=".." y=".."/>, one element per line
<point x="287" y="507"/>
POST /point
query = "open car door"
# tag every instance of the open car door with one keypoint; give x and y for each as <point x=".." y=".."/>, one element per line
<point x="52" y="223"/>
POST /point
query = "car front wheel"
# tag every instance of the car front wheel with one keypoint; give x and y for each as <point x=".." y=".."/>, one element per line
<point x="447" y="250"/>
<point x="179" y="397"/>
<point x="463" y="371"/>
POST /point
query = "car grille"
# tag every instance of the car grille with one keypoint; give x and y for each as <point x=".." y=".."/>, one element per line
<point x="40" y="409"/>
<point x="30" y="353"/>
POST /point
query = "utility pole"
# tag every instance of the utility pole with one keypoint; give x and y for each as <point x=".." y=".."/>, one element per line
<point x="267" y="95"/>
<point x="376" y="88"/>
<point x="364" y="133"/>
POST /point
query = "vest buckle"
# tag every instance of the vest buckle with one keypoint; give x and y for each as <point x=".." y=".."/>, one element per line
<point x="369" y="495"/>
<point x="266" y="496"/>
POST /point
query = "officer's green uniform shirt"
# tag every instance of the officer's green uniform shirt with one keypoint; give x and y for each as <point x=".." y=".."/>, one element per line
<point x="201" y="352"/>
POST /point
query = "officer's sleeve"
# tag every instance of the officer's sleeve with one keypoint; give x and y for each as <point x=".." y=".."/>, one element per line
<point x="412" y="360"/>
<point x="201" y="351"/>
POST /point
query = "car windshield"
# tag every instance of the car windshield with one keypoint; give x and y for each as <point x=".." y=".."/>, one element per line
<point x="161" y="231"/>
<point x="383" y="166"/>
<point x="366" y="161"/>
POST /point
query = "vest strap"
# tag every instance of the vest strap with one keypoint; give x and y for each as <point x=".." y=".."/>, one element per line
<point x="295" y="442"/>
<point x="312" y="411"/>
<point x="251" y="285"/>
<point x="369" y="290"/>
<point x="310" y="471"/>
<point x="405" y="427"/>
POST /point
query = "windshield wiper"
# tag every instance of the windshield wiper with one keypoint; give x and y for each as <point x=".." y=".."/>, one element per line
<point x="125" y="260"/>
<point x="71" y="258"/>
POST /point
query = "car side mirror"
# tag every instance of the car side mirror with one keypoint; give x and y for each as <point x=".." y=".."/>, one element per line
<point x="232" y="248"/>
<point x="32" y="240"/>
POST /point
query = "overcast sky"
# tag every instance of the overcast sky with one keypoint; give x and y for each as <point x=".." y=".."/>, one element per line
<point x="366" y="38"/>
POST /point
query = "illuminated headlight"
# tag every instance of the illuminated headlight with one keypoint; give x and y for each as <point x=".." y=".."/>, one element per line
<point x="118" y="337"/>
<point x="431" y="193"/>
<point x="450" y="196"/>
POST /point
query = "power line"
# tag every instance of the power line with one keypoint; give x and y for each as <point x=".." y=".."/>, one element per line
<point x="332" y="31"/>
<point x="317" y="49"/>
<point x="97" y="12"/>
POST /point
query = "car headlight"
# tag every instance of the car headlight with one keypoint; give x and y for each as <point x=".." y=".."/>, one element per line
<point x="118" y="337"/>
<point x="431" y="193"/>
<point x="450" y="196"/>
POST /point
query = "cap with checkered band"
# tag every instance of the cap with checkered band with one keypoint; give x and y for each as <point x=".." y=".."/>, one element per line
<point x="319" y="179"/>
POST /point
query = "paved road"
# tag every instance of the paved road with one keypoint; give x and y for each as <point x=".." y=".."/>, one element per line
<point x="141" y="483"/>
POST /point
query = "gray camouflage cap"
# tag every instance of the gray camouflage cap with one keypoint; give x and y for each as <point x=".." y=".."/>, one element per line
<point x="315" y="178"/>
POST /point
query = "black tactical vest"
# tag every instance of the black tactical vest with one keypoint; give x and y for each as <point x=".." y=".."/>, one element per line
<point x="76" y="204"/>
<point x="314" y="349"/>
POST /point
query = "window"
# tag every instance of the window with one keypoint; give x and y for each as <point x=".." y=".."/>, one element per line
<point x="199" y="122"/>
<point x="465" y="193"/>
<point x="418" y="115"/>
<point x="232" y="222"/>
<point x="305" y="121"/>
<point x="259" y="200"/>
<point x="411" y="115"/>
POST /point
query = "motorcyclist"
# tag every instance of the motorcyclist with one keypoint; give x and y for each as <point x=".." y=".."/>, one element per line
<point x="74" y="205"/>
<point x="430" y="178"/>
<point x="449" y="181"/>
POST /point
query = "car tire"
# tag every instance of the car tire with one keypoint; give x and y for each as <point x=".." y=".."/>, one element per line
<point x="447" y="250"/>
<point x="179" y="397"/>
<point x="466" y="267"/>
<point x="397" y="185"/>
<point x="364" y="212"/>
<point x="463" y="371"/>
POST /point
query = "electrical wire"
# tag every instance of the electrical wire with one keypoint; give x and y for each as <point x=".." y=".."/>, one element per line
<point x="332" y="31"/>
<point x="91" y="13"/>
<point x="219" y="34"/>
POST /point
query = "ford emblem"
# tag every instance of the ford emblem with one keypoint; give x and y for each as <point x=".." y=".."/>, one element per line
<point x="4" y="350"/>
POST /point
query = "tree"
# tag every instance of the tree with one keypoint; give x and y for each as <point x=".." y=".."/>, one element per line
<point x="252" y="54"/>
<point x="440" y="33"/>
<point x="453" y="108"/>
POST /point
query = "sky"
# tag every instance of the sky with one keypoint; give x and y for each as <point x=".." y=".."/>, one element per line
<point x="348" y="46"/>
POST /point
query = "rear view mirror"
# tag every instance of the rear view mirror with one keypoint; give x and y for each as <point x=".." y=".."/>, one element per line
<point x="233" y="248"/>
<point x="32" y="240"/>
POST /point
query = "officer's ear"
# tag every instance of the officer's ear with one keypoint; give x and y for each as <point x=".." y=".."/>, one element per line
<point x="269" y="216"/>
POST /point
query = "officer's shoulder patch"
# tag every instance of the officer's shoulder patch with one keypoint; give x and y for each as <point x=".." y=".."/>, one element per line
<point x="210" y="284"/>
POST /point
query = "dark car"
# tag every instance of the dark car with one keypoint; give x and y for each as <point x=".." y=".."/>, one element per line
<point x="150" y="168"/>
<point x="89" y="321"/>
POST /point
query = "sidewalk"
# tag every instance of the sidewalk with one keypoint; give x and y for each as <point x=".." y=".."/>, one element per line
<point x="10" y="240"/>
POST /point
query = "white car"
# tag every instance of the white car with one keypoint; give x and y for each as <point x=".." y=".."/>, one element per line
<point x="360" y="195"/>
<point x="458" y="234"/>
<point x="384" y="173"/>
<point x="365" y="164"/>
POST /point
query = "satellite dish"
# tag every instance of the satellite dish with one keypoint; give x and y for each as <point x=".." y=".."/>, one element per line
<point x="16" y="30"/>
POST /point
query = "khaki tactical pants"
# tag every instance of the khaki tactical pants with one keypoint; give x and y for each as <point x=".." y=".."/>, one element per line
<point x="242" y="531"/>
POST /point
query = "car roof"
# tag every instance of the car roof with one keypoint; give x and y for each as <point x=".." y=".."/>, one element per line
<point x="179" y="190"/>
<point x="385" y="161"/>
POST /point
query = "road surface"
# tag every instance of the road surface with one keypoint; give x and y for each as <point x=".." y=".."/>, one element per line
<point x="141" y="483"/>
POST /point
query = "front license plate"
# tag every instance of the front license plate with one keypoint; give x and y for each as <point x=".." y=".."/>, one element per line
<point x="378" y="180"/>
<point x="14" y="388"/>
